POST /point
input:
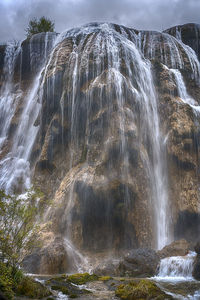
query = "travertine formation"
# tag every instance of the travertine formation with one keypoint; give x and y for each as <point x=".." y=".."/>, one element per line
<point x="113" y="130"/>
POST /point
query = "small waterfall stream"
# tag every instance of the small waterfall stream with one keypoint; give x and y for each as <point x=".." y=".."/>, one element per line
<point x="10" y="92"/>
<point x="177" y="267"/>
<point x="15" y="166"/>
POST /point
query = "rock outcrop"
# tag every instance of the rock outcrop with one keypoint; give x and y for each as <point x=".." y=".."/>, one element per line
<point x="112" y="137"/>
<point x="140" y="263"/>
<point x="177" y="248"/>
<point x="196" y="264"/>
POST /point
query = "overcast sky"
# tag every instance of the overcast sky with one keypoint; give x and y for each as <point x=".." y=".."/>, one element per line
<point x="140" y="14"/>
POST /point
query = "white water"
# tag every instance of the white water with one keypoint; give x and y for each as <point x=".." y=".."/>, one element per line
<point x="176" y="270"/>
<point x="177" y="267"/>
<point x="10" y="92"/>
<point x="15" y="166"/>
<point x="182" y="91"/>
<point x="106" y="44"/>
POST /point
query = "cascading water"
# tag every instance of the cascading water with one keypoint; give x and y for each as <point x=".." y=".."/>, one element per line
<point x="10" y="92"/>
<point x="15" y="166"/>
<point x="107" y="48"/>
<point x="177" y="267"/>
<point x="94" y="75"/>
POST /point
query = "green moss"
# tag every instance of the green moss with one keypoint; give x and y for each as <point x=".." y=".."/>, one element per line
<point x="105" y="278"/>
<point x="32" y="289"/>
<point x="81" y="278"/>
<point x="61" y="278"/>
<point x="62" y="289"/>
<point x="144" y="289"/>
<point x="73" y="296"/>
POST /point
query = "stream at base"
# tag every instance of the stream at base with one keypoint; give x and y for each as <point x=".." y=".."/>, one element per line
<point x="175" y="277"/>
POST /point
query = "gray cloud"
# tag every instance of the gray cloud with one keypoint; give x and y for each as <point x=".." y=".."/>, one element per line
<point x="140" y="14"/>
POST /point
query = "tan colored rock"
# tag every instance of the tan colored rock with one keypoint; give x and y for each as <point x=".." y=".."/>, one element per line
<point x="177" y="248"/>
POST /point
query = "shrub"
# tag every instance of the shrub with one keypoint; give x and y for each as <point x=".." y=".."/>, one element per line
<point x="41" y="25"/>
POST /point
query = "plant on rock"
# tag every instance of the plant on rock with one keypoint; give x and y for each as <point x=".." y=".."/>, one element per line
<point x="17" y="227"/>
<point x="41" y="25"/>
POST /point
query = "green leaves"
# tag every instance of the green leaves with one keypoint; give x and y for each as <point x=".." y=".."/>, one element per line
<point x="41" y="25"/>
<point x="17" y="226"/>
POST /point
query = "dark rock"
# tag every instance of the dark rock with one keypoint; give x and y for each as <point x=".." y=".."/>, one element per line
<point x="187" y="226"/>
<point x="51" y="259"/>
<point x="141" y="262"/>
<point x="177" y="248"/>
<point x="197" y="247"/>
<point x="196" y="267"/>
<point x="109" y="267"/>
<point x="189" y="34"/>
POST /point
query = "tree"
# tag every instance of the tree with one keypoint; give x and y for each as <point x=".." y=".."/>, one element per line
<point x="17" y="227"/>
<point x="41" y="25"/>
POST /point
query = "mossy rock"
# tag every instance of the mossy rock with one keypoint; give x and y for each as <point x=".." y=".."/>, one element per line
<point x="31" y="289"/>
<point x="105" y="278"/>
<point x="62" y="289"/>
<point x="61" y="278"/>
<point x="73" y="296"/>
<point x="144" y="289"/>
<point x="81" y="278"/>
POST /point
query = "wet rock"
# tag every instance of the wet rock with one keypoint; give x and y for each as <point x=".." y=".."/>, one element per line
<point x="109" y="267"/>
<point x="51" y="259"/>
<point x="196" y="264"/>
<point x="141" y="262"/>
<point x="177" y="248"/>
<point x="196" y="267"/>
<point x="187" y="225"/>
<point x="197" y="247"/>
<point x="144" y="289"/>
<point x="189" y="34"/>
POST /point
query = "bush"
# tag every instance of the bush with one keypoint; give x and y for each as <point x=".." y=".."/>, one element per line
<point x="17" y="228"/>
<point x="41" y="25"/>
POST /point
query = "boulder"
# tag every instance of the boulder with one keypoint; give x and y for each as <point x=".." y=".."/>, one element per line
<point x="176" y="248"/>
<point x="144" y="289"/>
<point x="142" y="262"/>
<point x="52" y="259"/>
<point x="196" y="267"/>
<point x="108" y="267"/>
<point x="197" y="247"/>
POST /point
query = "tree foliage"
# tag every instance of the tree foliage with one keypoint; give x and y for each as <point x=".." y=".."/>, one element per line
<point x="41" y="25"/>
<point x="17" y="227"/>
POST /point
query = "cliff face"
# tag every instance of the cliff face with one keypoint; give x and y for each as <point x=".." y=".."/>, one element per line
<point x="109" y="131"/>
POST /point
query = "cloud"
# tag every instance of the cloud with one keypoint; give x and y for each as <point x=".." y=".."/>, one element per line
<point x="140" y="14"/>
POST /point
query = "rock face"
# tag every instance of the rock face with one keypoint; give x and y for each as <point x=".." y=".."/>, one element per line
<point x="189" y="34"/>
<point x="141" y="263"/>
<point x="110" y="132"/>
<point x="177" y="248"/>
<point x="196" y="264"/>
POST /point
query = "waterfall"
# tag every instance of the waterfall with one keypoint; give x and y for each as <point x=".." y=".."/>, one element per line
<point x="10" y="92"/>
<point x="95" y="76"/>
<point x="177" y="267"/>
<point x="15" y="166"/>
<point x="108" y="47"/>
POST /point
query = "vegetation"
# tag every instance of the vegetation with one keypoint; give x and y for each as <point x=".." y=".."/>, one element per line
<point x="19" y="284"/>
<point x="17" y="237"/>
<point x="17" y="227"/>
<point x="105" y="278"/>
<point x="41" y="25"/>
<point x="81" y="278"/>
<point x="144" y="289"/>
